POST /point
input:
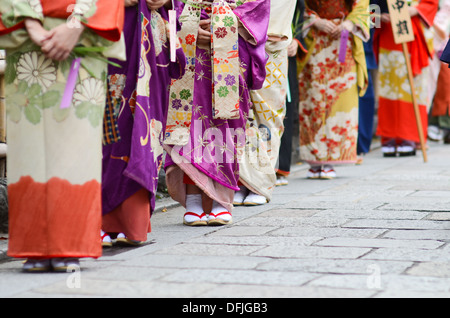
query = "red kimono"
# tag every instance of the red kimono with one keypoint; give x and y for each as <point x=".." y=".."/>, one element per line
<point x="396" y="118"/>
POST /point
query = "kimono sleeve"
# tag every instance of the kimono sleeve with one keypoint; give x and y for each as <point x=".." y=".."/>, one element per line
<point x="427" y="11"/>
<point x="253" y="16"/>
<point x="253" y="19"/>
<point x="108" y="19"/>
<point x="14" y="12"/>
<point x="104" y="17"/>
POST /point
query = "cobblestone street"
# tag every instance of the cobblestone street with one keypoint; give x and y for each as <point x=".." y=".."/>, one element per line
<point x="381" y="229"/>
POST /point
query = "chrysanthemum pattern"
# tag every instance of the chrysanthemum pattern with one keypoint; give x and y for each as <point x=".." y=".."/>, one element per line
<point x="89" y="90"/>
<point x="35" y="68"/>
<point x="89" y="99"/>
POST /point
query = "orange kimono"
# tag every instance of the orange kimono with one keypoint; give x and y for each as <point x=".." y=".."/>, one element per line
<point x="54" y="152"/>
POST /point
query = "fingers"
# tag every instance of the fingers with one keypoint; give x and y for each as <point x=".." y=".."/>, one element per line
<point x="61" y="42"/>
<point x="292" y="48"/>
<point x="204" y="35"/>
<point x="385" y="17"/>
<point x="36" y="32"/>
<point x="325" y="25"/>
<point x="205" y="24"/>
<point x="54" y="50"/>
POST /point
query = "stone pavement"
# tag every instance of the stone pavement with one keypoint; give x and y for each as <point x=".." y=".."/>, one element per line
<point x="381" y="229"/>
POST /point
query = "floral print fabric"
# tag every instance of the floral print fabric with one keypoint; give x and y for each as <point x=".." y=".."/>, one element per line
<point x="226" y="67"/>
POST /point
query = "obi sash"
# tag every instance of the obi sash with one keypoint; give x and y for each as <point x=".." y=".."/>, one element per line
<point x="225" y="68"/>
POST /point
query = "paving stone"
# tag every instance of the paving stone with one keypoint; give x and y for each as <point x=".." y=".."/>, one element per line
<point x="439" y="216"/>
<point x="409" y="254"/>
<point x="312" y="252"/>
<point x="372" y="214"/>
<point x="430" y="269"/>
<point x="207" y="249"/>
<point x="265" y="278"/>
<point x="294" y="221"/>
<point x="237" y="231"/>
<point x="327" y="232"/>
<point x="157" y="261"/>
<point x="217" y="239"/>
<point x="398" y="224"/>
<point x="400" y="283"/>
<point x="375" y="243"/>
<point x="431" y="206"/>
<point x="336" y="266"/>
<point x="263" y="292"/>
<point x="418" y="234"/>
<point x="126" y="289"/>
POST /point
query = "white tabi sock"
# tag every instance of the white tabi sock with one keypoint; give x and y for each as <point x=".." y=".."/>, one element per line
<point x="217" y="208"/>
<point x="194" y="203"/>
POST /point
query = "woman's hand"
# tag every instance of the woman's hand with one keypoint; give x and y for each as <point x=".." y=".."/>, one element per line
<point x="385" y="17"/>
<point x="413" y="11"/>
<point x="130" y="3"/>
<point x="324" y="25"/>
<point x="61" y="41"/>
<point x="204" y="32"/>
<point x="292" y="48"/>
<point x="156" y="4"/>
<point x="348" y="25"/>
<point x="36" y="31"/>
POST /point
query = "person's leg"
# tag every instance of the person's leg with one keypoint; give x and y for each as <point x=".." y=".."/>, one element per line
<point x="194" y="207"/>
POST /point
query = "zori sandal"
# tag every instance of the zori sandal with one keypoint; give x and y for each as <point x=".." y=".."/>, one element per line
<point x="106" y="239"/>
<point x="222" y="218"/>
<point x="36" y="265"/>
<point x="64" y="264"/>
<point x="194" y="219"/>
<point x="122" y="240"/>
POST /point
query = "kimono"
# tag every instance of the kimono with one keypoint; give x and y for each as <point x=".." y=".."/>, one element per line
<point x="291" y="119"/>
<point x="54" y="152"/>
<point x="330" y="87"/>
<point x="440" y="112"/>
<point x="445" y="57"/>
<point x="208" y="107"/>
<point x="139" y="96"/>
<point x="265" y="124"/>
<point x="396" y="117"/>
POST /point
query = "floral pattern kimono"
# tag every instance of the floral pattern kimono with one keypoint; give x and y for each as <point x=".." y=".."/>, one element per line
<point x="329" y="88"/>
<point x="208" y="107"/>
<point x="54" y="152"/>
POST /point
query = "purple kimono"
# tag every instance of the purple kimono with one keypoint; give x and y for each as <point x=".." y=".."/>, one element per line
<point x="210" y="159"/>
<point x="141" y="85"/>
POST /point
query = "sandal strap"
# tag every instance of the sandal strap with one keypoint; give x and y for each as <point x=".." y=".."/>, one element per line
<point x="221" y="213"/>
<point x="195" y="214"/>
